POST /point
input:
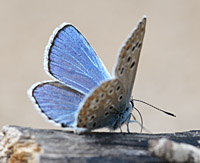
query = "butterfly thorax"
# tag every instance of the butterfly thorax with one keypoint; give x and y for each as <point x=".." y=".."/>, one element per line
<point x="123" y="116"/>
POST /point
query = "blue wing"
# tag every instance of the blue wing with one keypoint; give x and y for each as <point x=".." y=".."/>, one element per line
<point x="70" y="59"/>
<point x="58" y="102"/>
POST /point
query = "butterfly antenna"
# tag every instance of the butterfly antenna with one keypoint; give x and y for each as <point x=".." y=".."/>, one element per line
<point x="168" y="113"/>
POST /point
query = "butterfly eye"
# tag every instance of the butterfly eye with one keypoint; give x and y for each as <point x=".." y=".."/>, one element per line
<point x="132" y="64"/>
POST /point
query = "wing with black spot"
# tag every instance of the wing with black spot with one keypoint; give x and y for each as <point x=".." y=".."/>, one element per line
<point x="102" y="107"/>
<point x="126" y="67"/>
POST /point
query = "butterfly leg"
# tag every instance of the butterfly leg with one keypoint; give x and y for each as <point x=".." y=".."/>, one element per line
<point x="128" y="130"/>
<point x="127" y="124"/>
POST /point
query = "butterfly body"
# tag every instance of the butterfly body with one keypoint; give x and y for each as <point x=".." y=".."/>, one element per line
<point x="84" y="96"/>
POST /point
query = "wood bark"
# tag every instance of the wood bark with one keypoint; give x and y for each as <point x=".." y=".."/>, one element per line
<point x="21" y="144"/>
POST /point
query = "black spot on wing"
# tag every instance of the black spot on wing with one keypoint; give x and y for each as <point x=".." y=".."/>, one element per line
<point x="132" y="64"/>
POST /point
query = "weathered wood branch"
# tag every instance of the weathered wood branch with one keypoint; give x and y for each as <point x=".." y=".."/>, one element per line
<point x="20" y="144"/>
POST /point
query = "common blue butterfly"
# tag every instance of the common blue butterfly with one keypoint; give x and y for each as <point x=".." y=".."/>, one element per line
<point x="83" y="95"/>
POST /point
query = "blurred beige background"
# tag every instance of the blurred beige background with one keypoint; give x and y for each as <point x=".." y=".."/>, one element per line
<point x="169" y="70"/>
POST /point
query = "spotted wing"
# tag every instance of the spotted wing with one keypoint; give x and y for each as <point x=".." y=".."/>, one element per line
<point x="126" y="67"/>
<point x="102" y="107"/>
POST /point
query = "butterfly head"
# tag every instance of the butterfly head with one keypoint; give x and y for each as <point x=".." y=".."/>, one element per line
<point x="124" y="116"/>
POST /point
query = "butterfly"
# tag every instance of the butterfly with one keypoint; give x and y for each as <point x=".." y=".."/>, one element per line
<point x="83" y="95"/>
